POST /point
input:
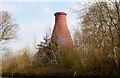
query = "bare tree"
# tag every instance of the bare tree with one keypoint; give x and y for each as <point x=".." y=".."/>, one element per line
<point x="101" y="29"/>
<point x="7" y="27"/>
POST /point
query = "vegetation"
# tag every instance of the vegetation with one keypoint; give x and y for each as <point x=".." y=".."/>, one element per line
<point x="69" y="62"/>
<point x="96" y="50"/>
<point x="7" y="27"/>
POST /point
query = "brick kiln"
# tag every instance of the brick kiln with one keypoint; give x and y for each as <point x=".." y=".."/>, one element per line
<point x="61" y="32"/>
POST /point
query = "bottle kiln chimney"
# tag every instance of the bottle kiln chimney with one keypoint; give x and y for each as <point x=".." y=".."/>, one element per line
<point x="61" y="32"/>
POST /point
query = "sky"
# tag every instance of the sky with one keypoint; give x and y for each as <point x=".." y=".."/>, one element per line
<point x="35" y="19"/>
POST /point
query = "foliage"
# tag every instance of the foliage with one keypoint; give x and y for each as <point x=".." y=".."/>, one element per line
<point x="19" y="64"/>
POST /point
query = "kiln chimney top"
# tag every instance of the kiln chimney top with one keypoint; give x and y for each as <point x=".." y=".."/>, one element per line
<point x="60" y="13"/>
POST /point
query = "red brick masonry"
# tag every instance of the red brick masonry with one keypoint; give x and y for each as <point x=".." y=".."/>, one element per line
<point x="61" y="32"/>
